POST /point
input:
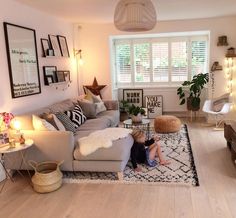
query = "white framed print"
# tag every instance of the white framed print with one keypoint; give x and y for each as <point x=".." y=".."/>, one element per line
<point x="133" y="96"/>
<point x="22" y="58"/>
<point x="154" y="105"/>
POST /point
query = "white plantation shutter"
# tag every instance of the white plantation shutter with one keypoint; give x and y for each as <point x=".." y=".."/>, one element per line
<point x="160" y="62"/>
<point x="123" y="63"/>
<point x="164" y="60"/>
<point x="199" y="56"/>
<point x="142" y="62"/>
<point x="179" y="61"/>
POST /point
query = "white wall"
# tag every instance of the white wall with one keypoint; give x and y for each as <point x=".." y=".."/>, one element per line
<point x="44" y="24"/>
<point x="94" y="41"/>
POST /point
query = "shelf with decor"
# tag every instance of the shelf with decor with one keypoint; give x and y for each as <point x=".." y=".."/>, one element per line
<point x="55" y="47"/>
<point x="56" y="78"/>
<point x="60" y="85"/>
<point x="230" y="55"/>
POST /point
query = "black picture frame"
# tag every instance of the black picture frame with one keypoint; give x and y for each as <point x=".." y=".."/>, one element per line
<point x="63" y="46"/>
<point x="22" y="59"/>
<point x="50" y="71"/>
<point x="45" y="47"/>
<point x="60" y="76"/>
<point x="54" y="43"/>
<point x="133" y="96"/>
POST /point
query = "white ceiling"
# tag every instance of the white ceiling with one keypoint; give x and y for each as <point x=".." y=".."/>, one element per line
<point x="101" y="11"/>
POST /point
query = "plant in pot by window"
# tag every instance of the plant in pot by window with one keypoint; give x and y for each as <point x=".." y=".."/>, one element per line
<point x="124" y="110"/>
<point x="193" y="88"/>
<point x="136" y="113"/>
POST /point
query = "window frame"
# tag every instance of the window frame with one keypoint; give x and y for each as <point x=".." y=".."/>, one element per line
<point x="157" y="38"/>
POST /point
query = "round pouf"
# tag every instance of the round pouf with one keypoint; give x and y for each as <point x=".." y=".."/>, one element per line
<point x="167" y="124"/>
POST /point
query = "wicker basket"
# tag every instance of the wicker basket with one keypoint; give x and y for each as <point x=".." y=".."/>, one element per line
<point x="47" y="177"/>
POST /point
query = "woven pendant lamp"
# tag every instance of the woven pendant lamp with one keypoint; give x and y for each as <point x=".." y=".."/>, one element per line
<point x="135" y="15"/>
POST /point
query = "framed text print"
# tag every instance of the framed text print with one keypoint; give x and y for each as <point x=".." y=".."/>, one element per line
<point x="154" y="105"/>
<point x="22" y="60"/>
<point x="133" y="96"/>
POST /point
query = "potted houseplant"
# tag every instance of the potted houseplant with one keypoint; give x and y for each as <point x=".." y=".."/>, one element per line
<point x="124" y="110"/>
<point x="193" y="88"/>
<point x="136" y="113"/>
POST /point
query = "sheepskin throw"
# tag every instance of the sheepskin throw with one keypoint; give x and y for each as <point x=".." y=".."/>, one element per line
<point x="101" y="139"/>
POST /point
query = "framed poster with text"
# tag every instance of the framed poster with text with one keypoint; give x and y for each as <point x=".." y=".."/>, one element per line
<point x="133" y="96"/>
<point x="22" y="60"/>
<point x="154" y="105"/>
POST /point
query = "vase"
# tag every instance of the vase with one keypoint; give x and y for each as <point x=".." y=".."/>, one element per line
<point x="4" y="137"/>
<point x="137" y="119"/>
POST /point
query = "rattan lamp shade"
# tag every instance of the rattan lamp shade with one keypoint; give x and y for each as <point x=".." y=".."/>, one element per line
<point x="135" y="15"/>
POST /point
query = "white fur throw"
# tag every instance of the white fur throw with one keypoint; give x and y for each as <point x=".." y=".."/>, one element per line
<point x="101" y="139"/>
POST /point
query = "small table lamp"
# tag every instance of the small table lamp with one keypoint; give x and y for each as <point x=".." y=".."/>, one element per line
<point x="16" y="125"/>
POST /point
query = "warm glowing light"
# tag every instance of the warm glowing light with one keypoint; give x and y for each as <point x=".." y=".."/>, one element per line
<point x="16" y="124"/>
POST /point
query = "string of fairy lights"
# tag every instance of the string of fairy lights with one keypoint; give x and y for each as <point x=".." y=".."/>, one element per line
<point x="229" y="73"/>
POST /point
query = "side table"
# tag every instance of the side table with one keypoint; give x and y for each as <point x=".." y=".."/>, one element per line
<point x="21" y="148"/>
<point x="144" y="125"/>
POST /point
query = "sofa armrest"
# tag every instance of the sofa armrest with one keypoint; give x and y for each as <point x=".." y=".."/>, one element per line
<point x="48" y="145"/>
<point x="111" y="104"/>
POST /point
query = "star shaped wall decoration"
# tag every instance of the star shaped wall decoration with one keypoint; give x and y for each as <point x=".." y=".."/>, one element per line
<point x="95" y="88"/>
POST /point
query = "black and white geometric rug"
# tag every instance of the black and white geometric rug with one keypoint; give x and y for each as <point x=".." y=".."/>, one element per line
<point x="176" y="147"/>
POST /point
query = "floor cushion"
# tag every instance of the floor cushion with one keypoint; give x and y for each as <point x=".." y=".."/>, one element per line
<point x="167" y="124"/>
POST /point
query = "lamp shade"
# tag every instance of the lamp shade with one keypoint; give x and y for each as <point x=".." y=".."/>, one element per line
<point x="135" y="15"/>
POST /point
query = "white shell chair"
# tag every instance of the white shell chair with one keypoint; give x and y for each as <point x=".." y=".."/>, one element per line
<point x="207" y="108"/>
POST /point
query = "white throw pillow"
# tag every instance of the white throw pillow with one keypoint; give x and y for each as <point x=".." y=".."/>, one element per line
<point x="58" y="123"/>
<point x="100" y="107"/>
<point x="41" y="124"/>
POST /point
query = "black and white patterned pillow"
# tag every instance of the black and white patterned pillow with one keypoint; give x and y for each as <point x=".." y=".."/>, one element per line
<point x="67" y="123"/>
<point x="76" y="116"/>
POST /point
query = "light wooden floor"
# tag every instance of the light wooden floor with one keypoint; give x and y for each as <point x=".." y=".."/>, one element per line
<point x="216" y="196"/>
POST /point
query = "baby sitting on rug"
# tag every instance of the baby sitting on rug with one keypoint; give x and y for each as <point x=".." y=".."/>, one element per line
<point x="145" y="151"/>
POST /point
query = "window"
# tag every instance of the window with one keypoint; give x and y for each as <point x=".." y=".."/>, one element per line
<point x="165" y="60"/>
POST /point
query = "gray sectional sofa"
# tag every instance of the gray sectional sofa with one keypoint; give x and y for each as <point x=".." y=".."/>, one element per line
<point x="63" y="145"/>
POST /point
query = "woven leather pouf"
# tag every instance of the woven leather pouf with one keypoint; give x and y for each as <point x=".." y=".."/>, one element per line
<point x="167" y="124"/>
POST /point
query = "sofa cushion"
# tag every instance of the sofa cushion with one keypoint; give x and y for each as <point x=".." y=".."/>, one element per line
<point x="95" y="124"/>
<point x="112" y="115"/>
<point x="62" y="106"/>
<point x="76" y="116"/>
<point x="49" y="118"/>
<point x="41" y="124"/>
<point x="89" y="108"/>
<point x="67" y="123"/>
<point x="120" y="150"/>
